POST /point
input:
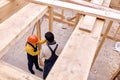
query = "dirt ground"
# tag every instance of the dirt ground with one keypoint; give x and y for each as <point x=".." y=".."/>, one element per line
<point x="107" y="61"/>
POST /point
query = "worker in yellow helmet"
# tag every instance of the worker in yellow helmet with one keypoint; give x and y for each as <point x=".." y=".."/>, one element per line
<point x="32" y="52"/>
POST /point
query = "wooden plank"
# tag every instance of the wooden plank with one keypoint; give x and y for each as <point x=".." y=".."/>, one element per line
<point x="115" y="4"/>
<point x="88" y="21"/>
<point x="50" y="19"/>
<point x="57" y="18"/>
<point x="116" y="74"/>
<point x="92" y="5"/>
<point x="100" y="13"/>
<point x="9" y="72"/>
<point x="11" y="8"/>
<point x="106" y="3"/>
<point x="105" y="34"/>
<point x="4" y="3"/>
<point x="13" y="28"/>
<point x="75" y="61"/>
<point x="103" y="39"/>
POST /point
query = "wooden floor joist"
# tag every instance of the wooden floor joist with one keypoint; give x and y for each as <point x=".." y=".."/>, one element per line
<point x="18" y="24"/>
<point x="9" y="72"/>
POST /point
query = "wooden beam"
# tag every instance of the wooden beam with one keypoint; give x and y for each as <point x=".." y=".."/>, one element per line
<point x="103" y="39"/>
<point x="116" y="32"/>
<point x="38" y="28"/>
<point x="104" y="35"/>
<point x="11" y="8"/>
<point x="9" y="72"/>
<point x="93" y="5"/>
<point x="115" y="4"/>
<point x="17" y="25"/>
<point x="116" y="74"/>
<point x="104" y="14"/>
<point x="75" y="61"/>
<point x="4" y="3"/>
<point x="50" y="19"/>
<point x="77" y="18"/>
<point x="57" y="18"/>
<point x="111" y="37"/>
<point x="88" y="21"/>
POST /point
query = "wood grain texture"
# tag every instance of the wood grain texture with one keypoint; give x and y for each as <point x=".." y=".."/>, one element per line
<point x="17" y="25"/>
<point x="100" y="13"/>
<point x="9" y="72"/>
<point x="76" y="58"/>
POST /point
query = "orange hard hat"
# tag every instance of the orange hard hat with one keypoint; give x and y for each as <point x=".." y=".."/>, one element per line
<point x="32" y="39"/>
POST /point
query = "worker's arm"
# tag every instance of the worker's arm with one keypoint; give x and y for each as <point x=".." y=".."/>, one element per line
<point x="42" y="42"/>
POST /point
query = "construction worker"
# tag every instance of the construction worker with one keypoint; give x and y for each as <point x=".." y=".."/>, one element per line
<point x="33" y="52"/>
<point x="49" y="52"/>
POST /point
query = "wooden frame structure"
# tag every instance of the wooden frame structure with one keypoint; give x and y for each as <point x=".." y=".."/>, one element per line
<point x="75" y="66"/>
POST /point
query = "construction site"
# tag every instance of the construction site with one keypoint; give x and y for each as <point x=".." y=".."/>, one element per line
<point x="87" y="31"/>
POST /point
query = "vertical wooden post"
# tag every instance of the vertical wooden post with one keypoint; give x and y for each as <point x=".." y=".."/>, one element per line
<point x="102" y="41"/>
<point x="77" y="18"/>
<point x="62" y="13"/>
<point x="38" y="28"/>
<point x="50" y="19"/>
<point x="115" y="75"/>
<point x="114" y="37"/>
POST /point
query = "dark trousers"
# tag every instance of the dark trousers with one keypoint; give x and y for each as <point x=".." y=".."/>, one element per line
<point x="32" y="60"/>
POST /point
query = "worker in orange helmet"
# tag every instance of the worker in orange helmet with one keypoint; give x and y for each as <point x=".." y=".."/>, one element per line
<point x="33" y="52"/>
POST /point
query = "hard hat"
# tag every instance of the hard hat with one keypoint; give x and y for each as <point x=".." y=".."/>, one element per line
<point x="32" y="39"/>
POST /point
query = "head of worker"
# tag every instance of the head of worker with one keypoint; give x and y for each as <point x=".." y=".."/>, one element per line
<point x="49" y="37"/>
<point x="33" y="39"/>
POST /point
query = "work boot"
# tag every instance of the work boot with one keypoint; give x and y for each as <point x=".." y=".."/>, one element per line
<point x="32" y="71"/>
<point x="40" y="69"/>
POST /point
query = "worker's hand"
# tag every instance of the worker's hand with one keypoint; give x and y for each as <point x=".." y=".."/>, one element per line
<point x="41" y="62"/>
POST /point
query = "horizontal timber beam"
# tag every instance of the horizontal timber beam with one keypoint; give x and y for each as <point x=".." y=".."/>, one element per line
<point x="9" y="72"/>
<point x="100" y="13"/>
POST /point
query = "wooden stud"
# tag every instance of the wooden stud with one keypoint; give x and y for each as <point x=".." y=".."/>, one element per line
<point x="77" y="19"/>
<point x="50" y="19"/>
<point x="115" y="75"/>
<point x="62" y="13"/>
<point x="102" y="41"/>
<point x="4" y="3"/>
<point x="57" y="18"/>
<point x="111" y="37"/>
<point x="57" y="14"/>
<point x="89" y="21"/>
<point x="114" y="37"/>
<point x="38" y="28"/>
